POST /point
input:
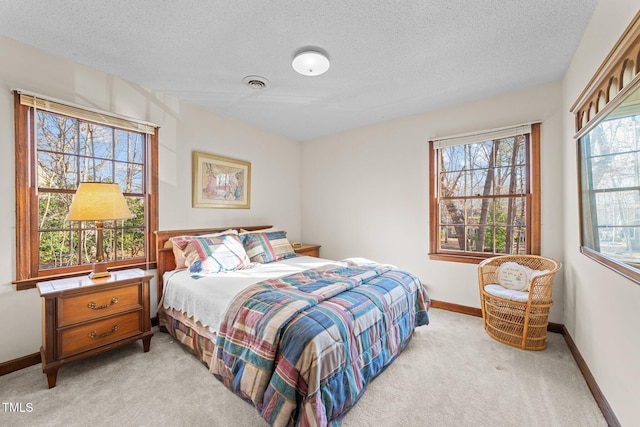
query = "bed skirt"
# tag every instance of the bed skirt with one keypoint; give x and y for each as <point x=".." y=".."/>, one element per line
<point x="197" y="338"/>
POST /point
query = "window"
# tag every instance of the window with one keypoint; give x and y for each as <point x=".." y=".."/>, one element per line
<point x="485" y="197"/>
<point x="57" y="147"/>
<point x="607" y="123"/>
<point x="610" y="181"/>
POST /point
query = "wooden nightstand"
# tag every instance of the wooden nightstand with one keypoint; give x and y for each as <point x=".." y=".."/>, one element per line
<point x="307" y="250"/>
<point x="82" y="317"/>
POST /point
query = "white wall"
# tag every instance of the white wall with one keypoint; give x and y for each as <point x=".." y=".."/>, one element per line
<point x="601" y="307"/>
<point x="365" y="192"/>
<point x="275" y="161"/>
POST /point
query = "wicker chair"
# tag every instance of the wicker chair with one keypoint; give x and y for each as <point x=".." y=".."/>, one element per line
<point x="519" y="324"/>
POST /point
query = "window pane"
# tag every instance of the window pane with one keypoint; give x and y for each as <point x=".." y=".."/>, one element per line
<point x="453" y="158"/>
<point x="511" y="211"/>
<point x="96" y="170"/>
<point x="478" y="211"/>
<point x="58" y="245"/>
<point x="453" y="184"/>
<point x="56" y="170"/>
<point x="53" y="209"/>
<point x="452" y="212"/>
<point x="58" y="249"/>
<point x="449" y="238"/>
<point x="506" y="155"/>
<point x="96" y="140"/>
<point x="129" y="176"/>
<point x="621" y="243"/>
<point x="618" y="208"/>
<point x="488" y="239"/>
<point x="499" y="237"/>
<point x="129" y="146"/>
<point x="55" y="133"/>
<point x="479" y="155"/>
<point x="471" y="238"/>
<point x="615" y="171"/>
<point x="510" y="180"/>
<point x="136" y="207"/>
<point x="130" y="243"/>
<point x="477" y="183"/>
<point x="108" y="234"/>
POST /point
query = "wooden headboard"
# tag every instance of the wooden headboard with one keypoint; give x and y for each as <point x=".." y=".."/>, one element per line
<point x="164" y="247"/>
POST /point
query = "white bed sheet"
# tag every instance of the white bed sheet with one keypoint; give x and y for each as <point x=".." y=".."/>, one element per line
<point x="207" y="298"/>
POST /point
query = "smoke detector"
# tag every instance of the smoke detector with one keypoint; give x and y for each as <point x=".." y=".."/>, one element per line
<point x="256" y="82"/>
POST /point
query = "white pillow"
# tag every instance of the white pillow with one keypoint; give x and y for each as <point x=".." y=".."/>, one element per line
<point x="511" y="275"/>
<point x="514" y="276"/>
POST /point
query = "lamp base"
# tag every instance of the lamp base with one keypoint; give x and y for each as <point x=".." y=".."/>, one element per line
<point x="99" y="270"/>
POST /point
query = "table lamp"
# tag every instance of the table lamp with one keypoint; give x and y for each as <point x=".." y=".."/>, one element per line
<point x="99" y="202"/>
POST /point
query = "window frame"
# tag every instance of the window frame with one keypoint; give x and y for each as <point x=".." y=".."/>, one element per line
<point x="627" y="270"/>
<point x="615" y="79"/>
<point x="28" y="273"/>
<point x="533" y="214"/>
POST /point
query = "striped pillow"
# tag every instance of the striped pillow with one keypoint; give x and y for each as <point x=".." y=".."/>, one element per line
<point x="180" y="243"/>
<point x="208" y="255"/>
<point x="267" y="247"/>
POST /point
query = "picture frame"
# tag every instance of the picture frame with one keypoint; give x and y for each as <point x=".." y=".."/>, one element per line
<point x="220" y="182"/>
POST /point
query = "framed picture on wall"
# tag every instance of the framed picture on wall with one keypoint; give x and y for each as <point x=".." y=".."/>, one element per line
<point x="220" y="182"/>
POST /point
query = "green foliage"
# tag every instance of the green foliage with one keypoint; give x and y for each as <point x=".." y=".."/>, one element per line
<point x="495" y="237"/>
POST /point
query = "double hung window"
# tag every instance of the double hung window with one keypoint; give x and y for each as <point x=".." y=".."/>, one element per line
<point x="57" y="147"/>
<point x="485" y="194"/>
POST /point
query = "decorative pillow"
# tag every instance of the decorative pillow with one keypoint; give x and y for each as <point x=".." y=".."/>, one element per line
<point x="208" y="255"/>
<point x="178" y="257"/>
<point x="267" y="247"/>
<point x="511" y="275"/>
<point x="180" y="243"/>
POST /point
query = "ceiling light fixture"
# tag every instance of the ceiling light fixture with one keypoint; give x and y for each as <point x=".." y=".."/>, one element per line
<point x="310" y="63"/>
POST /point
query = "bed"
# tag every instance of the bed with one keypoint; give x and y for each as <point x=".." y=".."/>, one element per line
<point x="297" y="337"/>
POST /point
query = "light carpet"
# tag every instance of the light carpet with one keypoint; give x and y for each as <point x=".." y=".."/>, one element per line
<point x="451" y="374"/>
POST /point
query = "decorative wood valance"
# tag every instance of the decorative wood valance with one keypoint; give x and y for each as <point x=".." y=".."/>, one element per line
<point x="611" y="82"/>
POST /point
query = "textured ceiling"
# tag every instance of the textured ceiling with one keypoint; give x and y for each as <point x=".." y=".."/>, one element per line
<point x="389" y="58"/>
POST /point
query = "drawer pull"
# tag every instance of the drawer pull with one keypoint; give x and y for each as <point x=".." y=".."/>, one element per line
<point x="92" y="305"/>
<point x="94" y="335"/>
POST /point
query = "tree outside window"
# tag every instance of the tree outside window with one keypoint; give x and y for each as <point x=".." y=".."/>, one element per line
<point x="482" y="198"/>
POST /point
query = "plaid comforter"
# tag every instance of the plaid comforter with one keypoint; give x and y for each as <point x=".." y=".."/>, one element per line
<point x="302" y="348"/>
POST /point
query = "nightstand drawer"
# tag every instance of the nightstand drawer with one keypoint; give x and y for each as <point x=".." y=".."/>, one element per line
<point x="80" y="308"/>
<point x="305" y="249"/>
<point x="95" y="334"/>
